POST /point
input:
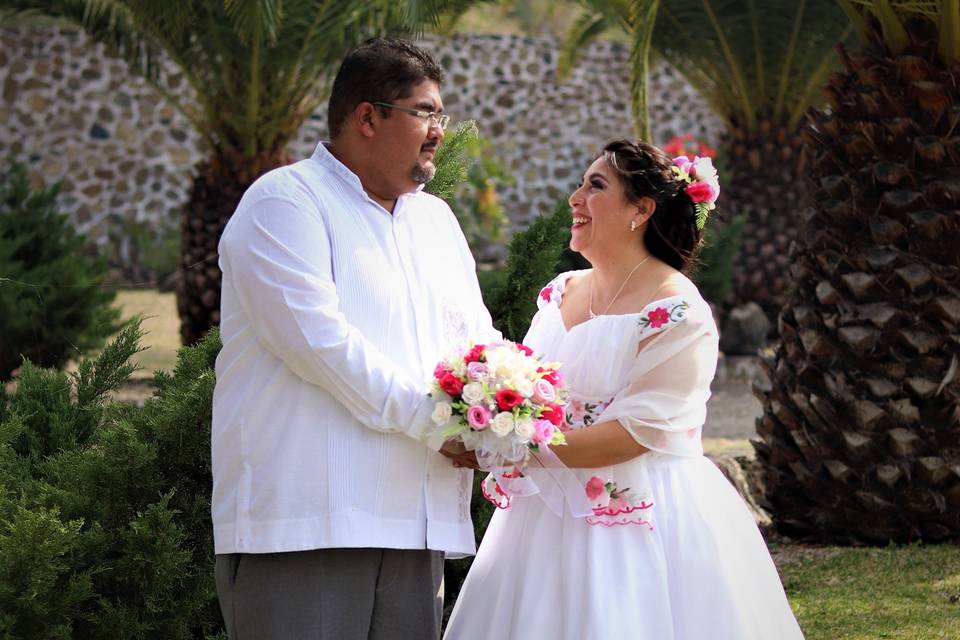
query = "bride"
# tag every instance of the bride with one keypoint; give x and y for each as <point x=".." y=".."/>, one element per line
<point x="667" y="549"/>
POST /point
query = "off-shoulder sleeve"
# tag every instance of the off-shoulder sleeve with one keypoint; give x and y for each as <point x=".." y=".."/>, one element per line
<point x="663" y="404"/>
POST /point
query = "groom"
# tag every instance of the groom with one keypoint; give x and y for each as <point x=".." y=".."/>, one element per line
<point x="343" y="285"/>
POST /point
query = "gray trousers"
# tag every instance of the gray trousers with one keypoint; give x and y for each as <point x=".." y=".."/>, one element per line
<point x="332" y="594"/>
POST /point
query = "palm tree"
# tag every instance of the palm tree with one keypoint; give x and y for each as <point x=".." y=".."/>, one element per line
<point x="861" y="428"/>
<point x="759" y="65"/>
<point x="256" y="69"/>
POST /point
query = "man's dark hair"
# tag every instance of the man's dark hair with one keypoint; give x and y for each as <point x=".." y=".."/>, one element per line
<point x="379" y="70"/>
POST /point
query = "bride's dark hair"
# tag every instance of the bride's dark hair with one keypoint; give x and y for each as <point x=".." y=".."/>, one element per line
<point x="644" y="170"/>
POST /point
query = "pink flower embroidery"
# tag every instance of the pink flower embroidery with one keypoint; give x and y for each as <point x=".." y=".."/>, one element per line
<point x="546" y="293"/>
<point x="658" y="317"/>
<point x="577" y="411"/>
<point x="595" y="486"/>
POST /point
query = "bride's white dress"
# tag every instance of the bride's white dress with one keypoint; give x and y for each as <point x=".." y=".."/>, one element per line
<point x="674" y="554"/>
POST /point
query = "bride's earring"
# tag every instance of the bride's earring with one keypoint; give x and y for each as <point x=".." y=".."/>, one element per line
<point x="633" y="225"/>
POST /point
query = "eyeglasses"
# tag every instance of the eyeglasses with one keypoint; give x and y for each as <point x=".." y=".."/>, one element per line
<point x="433" y="118"/>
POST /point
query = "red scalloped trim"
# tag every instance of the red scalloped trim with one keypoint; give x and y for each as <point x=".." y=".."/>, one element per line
<point x="496" y="502"/>
<point x="607" y="523"/>
<point x="605" y="511"/>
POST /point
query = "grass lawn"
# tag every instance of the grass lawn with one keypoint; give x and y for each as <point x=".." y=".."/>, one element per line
<point x="902" y="593"/>
<point x="160" y="324"/>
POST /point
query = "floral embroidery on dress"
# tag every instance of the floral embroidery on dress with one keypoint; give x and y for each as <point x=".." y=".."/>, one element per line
<point x="614" y="506"/>
<point x="553" y="292"/>
<point x="664" y="315"/>
<point x="583" y="414"/>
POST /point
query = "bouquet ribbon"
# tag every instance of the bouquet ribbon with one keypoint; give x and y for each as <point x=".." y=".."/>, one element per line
<point x="549" y="478"/>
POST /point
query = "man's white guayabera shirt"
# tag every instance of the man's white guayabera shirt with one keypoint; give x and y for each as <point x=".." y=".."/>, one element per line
<point x="334" y="314"/>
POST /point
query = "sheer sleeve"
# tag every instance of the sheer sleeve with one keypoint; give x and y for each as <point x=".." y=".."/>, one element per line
<point x="664" y="402"/>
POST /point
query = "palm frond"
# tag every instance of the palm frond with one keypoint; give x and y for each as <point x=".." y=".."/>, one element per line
<point x="586" y="28"/>
<point x="643" y="14"/>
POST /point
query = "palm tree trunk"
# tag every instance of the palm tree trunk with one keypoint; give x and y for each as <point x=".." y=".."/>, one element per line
<point x="861" y="428"/>
<point x="214" y="195"/>
<point x="764" y="169"/>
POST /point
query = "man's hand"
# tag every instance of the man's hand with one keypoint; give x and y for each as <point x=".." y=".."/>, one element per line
<point x="458" y="455"/>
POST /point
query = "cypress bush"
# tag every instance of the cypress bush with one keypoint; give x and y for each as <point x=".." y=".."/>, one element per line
<point x="104" y="506"/>
<point x="52" y="304"/>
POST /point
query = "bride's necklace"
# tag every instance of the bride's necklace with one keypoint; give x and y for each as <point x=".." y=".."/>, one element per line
<point x="619" y="291"/>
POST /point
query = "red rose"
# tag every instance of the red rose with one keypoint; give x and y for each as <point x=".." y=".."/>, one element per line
<point x="507" y="399"/>
<point x="699" y="192"/>
<point x="475" y="354"/>
<point x="553" y="377"/>
<point x="525" y="349"/>
<point x="451" y="384"/>
<point x="554" y="413"/>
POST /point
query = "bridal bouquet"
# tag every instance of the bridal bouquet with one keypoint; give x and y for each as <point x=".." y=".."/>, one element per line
<point x="500" y="400"/>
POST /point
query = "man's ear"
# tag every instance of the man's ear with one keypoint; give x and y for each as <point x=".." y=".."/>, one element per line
<point x="363" y="119"/>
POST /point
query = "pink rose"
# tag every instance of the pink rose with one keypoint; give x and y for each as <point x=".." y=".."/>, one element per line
<point x="542" y="431"/>
<point x="683" y="162"/>
<point x="441" y="369"/>
<point x="451" y="384"/>
<point x="478" y="417"/>
<point x="543" y="392"/>
<point x="700" y="192"/>
<point x="477" y="371"/>
<point x="595" y="487"/>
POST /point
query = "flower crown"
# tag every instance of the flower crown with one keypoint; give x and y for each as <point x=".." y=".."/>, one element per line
<point x="703" y="188"/>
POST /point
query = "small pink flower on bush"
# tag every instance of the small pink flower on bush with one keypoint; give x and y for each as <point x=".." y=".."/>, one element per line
<point x="478" y="417"/>
<point x="543" y="392"/>
<point x="595" y="487"/>
<point x="658" y="317"/>
<point x="477" y="371"/>
<point x="542" y="431"/>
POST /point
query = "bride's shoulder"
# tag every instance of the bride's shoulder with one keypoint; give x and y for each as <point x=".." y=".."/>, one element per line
<point x="554" y="290"/>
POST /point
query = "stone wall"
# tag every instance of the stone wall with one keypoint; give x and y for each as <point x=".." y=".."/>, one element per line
<point x="73" y="113"/>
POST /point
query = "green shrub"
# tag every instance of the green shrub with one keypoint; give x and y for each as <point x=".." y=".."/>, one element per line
<point x="714" y="273"/>
<point x="104" y="509"/>
<point x="52" y="303"/>
<point x="510" y="293"/>
<point x="468" y="175"/>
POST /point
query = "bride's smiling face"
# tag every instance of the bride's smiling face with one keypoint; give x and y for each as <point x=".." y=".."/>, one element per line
<point x="601" y="212"/>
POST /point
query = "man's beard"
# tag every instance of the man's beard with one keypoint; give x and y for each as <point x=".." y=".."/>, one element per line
<point x="422" y="173"/>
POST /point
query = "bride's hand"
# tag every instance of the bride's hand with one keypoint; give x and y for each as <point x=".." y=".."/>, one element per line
<point x="458" y="455"/>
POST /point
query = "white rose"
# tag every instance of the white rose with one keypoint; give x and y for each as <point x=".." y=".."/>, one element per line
<point x="502" y="424"/>
<point x="473" y="393"/>
<point x="442" y="413"/>
<point x="524" y="429"/>
<point x="523" y="386"/>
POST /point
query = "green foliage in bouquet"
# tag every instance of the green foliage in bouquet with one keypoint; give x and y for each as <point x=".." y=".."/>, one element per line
<point x="104" y="506"/>
<point x="511" y="293"/>
<point x="714" y="272"/>
<point x="52" y="304"/>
